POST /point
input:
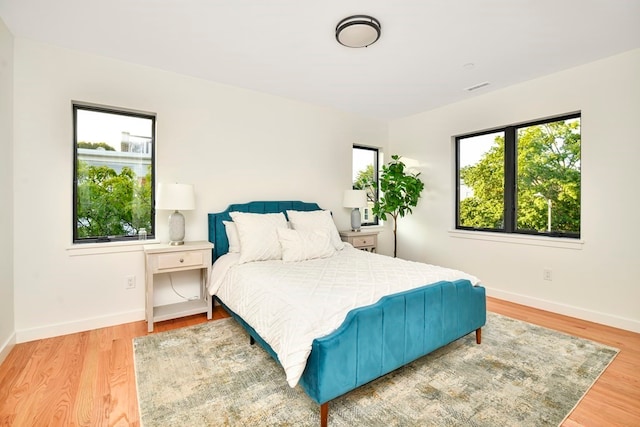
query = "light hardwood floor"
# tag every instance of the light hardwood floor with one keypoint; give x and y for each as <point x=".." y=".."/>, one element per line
<point x="87" y="379"/>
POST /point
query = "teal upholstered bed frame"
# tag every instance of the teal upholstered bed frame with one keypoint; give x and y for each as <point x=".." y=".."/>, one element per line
<point x="377" y="339"/>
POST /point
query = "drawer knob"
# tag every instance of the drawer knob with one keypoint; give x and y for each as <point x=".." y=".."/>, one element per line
<point x="181" y="259"/>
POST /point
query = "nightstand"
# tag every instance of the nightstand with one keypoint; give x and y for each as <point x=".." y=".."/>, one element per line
<point x="164" y="258"/>
<point x="365" y="240"/>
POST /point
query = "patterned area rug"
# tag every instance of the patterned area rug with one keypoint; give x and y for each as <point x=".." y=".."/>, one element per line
<point x="521" y="374"/>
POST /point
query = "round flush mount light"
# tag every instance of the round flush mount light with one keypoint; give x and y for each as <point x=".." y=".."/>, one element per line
<point x="358" y="31"/>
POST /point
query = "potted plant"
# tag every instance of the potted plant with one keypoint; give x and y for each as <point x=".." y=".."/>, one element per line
<point x="400" y="192"/>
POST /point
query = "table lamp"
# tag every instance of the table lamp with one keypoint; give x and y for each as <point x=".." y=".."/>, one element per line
<point x="175" y="197"/>
<point x="355" y="199"/>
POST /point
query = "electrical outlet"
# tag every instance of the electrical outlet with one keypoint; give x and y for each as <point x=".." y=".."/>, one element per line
<point x="129" y="282"/>
<point x="546" y="274"/>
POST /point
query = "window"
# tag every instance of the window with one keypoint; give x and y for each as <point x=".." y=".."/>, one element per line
<point x="521" y="179"/>
<point x="113" y="174"/>
<point x="365" y="174"/>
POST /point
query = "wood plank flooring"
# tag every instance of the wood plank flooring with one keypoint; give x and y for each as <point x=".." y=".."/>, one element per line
<point x="87" y="379"/>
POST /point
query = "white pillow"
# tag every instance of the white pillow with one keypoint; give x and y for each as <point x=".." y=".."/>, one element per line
<point x="303" y="245"/>
<point x="258" y="236"/>
<point x="232" y="236"/>
<point x="316" y="220"/>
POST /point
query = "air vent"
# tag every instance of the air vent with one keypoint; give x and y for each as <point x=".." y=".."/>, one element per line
<point x="477" y="86"/>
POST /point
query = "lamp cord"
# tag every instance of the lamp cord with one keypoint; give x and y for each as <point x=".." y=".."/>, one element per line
<point x="176" y="292"/>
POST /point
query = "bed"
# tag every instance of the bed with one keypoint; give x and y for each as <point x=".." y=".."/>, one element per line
<point x="371" y="339"/>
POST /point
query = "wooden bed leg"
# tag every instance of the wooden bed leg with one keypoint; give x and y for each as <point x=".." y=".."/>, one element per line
<point x="251" y="340"/>
<point x="478" y="335"/>
<point x="324" y="414"/>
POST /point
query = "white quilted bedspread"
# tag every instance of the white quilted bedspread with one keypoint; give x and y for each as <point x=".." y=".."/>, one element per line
<point x="291" y="304"/>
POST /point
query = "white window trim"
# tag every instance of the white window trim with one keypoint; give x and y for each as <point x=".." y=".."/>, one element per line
<point x="519" y="239"/>
<point x="121" y="246"/>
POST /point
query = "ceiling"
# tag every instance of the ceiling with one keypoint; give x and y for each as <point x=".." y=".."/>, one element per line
<point x="430" y="51"/>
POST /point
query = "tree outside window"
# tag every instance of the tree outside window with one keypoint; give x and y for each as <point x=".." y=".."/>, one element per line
<point x="113" y="174"/>
<point x="365" y="174"/>
<point x="521" y="179"/>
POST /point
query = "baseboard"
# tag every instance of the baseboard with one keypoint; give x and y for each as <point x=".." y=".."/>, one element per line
<point x="6" y="347"/>
<point x="48" y="331"/>
<point x="568" y="310"/>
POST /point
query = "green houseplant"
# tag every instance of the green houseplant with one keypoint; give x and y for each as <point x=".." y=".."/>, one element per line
<point x="400" y="192"/>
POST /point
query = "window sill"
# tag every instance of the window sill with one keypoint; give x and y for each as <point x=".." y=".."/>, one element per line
<point x="378" y="227"/>
<point x="82" y="249"/>
<point x="519" y="239"/>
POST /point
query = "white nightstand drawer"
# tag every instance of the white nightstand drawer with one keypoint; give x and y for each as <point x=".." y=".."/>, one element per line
<point x="364" y="241"/>
<point x="180" y="259"/>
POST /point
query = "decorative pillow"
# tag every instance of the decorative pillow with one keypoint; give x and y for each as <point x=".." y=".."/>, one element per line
<point x="303" y="245"/>
<point x="232" y="236"/>
<point x="258" y="236"/>
<point x="316" y="220"/>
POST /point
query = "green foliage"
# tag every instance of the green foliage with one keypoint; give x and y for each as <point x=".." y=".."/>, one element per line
<point x="364" y="181"/>
<point x="400" y="192"/>
<point x="95" y="145"/>
<point x="548" y="169"/>
<point x="486" y="208"/>
<point x="111" y="204"/>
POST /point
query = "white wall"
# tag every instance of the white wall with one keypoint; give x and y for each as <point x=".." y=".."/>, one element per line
<point x="236" y="145"/>
<point x="597" y="281"/>
<point x="7" y="325"/>
<point x="233" y="145"/>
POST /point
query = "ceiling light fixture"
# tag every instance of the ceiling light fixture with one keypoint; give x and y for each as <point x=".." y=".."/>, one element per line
<point x="358" y="31"/>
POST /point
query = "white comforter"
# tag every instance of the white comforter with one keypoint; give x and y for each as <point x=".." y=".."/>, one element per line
<point x="291" y="304"/>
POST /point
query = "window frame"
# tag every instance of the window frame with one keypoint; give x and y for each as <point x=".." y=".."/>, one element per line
<point x="376" y="172"/>
<point x="510" y="178"/>
<point x="76" y="106"/>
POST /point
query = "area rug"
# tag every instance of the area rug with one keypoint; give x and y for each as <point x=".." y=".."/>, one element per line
<point x="521" y="375"/>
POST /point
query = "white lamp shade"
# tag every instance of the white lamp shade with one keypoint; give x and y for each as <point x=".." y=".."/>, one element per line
<point x="354" y="199"/>
<point x="175" y="197"/>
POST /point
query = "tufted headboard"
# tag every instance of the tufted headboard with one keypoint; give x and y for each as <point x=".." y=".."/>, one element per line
<point x="217" y="233"/>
